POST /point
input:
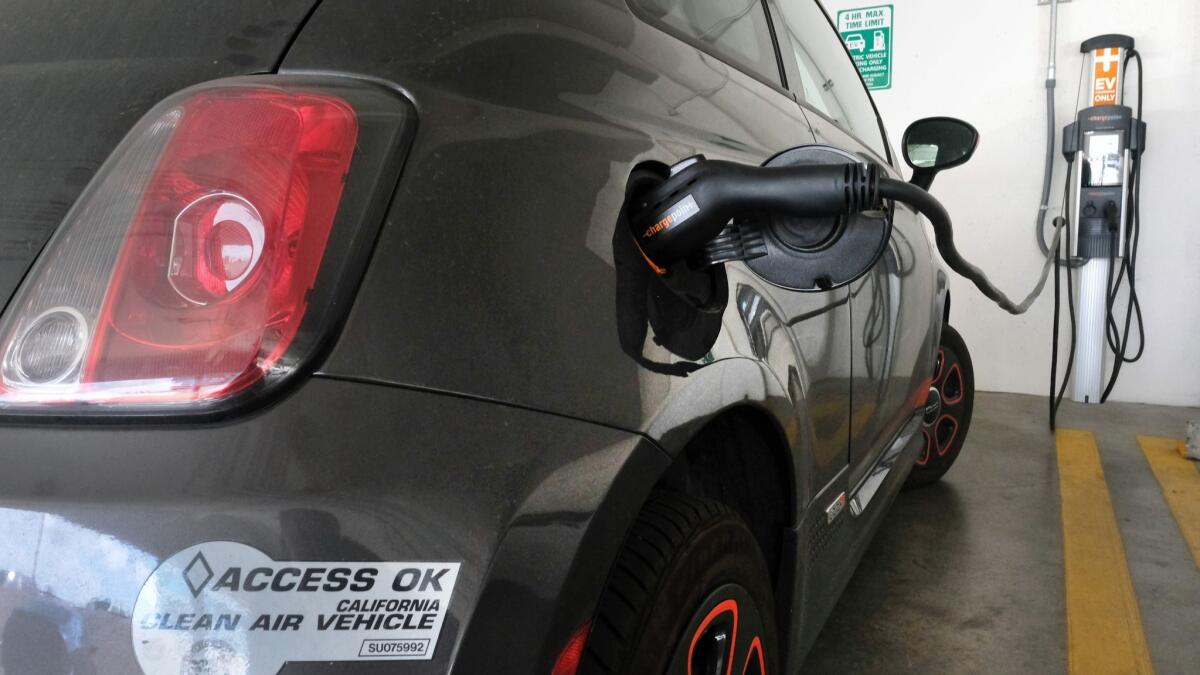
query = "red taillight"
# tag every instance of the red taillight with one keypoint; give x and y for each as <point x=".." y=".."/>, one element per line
<point x="211" y="283"/>
<point x="184" y="273"/>
<point x="568" y="659"/>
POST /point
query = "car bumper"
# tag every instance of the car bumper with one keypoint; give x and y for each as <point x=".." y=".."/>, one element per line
<point x="532" y="506"/>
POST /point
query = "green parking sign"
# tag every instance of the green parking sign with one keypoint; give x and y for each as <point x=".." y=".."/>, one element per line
<point x="867" y="32"/>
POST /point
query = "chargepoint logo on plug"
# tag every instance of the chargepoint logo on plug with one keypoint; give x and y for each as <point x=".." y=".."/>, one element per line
<point x="686" y="208"/>
<point x="223" y="607"/>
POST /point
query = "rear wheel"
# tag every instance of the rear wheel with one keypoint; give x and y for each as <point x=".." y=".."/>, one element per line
<point x="689" y="594"/>
<point x="948" y="410"/>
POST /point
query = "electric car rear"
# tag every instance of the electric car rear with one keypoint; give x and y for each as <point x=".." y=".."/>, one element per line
<point x="328" y="344"/>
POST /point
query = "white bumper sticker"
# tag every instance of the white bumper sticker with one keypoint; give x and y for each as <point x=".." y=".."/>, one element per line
<point x="223" y="607"/>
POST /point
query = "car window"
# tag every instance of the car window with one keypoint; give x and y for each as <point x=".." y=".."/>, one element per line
<point x="736" y="31"/>
<point x="829" y="81"/>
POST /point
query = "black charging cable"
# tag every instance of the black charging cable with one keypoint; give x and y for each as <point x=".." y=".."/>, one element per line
<point x="693" y="205"/>
<point x="943" y="231"/>
<point x="1118" y="340"/>
<point x="1057" y="397"/>
<point x="1056" y="391"/>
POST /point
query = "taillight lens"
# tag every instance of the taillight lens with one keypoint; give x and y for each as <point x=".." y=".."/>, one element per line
<point x="186" y="271"/>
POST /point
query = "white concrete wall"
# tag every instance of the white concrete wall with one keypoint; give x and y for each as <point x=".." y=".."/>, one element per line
<point x="985" y="61"/>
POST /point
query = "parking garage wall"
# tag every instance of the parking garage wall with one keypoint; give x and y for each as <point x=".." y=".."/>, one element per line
<point x="985" y="61"/>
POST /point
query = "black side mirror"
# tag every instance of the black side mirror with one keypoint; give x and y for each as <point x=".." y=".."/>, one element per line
<point x="934" y="144"/>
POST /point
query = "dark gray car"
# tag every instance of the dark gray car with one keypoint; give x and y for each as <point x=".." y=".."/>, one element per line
<point x="345" y="356"/>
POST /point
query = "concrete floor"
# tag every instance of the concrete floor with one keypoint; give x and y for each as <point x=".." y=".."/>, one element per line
<point x="967" y="576"/>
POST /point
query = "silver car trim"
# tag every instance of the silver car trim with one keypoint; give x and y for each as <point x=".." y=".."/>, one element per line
<point x="870" y="484"/>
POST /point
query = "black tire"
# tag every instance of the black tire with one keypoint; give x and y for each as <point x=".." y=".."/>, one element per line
<point x="689" y="570"/>
<point x="946" y="430"/>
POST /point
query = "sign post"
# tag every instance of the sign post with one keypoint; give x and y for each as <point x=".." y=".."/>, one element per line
<point x="867" y="32"/>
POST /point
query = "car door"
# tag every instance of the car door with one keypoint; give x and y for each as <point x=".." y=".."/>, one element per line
<point x="891" y="302"/>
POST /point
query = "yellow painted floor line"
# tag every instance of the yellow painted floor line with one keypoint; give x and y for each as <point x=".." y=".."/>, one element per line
<point x="1180" y="482"/>
<point x="1104" y="628"/>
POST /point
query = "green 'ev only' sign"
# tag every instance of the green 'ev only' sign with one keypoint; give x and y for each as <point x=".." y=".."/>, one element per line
<point x="867" y="32"/>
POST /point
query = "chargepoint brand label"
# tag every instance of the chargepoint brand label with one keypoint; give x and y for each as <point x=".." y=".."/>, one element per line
<point x="227" y="608"/>
<point x="684" y="209"/>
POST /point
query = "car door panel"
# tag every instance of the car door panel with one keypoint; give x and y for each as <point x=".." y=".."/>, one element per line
<point x="890" y="309"/>
<point x="893" y="297"/>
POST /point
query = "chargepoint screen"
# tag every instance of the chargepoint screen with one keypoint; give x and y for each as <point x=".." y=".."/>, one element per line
<point x="1103" y="152"/>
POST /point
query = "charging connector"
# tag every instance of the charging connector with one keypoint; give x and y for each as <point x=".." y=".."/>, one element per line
<point x="686" y="212"/>
<point x="693" y="206"/>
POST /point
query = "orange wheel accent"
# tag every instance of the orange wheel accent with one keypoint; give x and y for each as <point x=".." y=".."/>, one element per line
<point x="954" y="384"/>
<point x="946" y="427"/>
<point x="928" y="451"/>
<point x="726" y="606"/>
<point x="755" y="650"/>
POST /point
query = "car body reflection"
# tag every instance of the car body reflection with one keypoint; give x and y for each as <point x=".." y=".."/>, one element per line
<point x="65" y="590"/>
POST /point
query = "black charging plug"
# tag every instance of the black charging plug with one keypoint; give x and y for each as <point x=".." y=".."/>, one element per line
<point x="678" y="217"/>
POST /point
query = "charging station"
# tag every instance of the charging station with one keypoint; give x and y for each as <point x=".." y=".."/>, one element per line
<point x="1103" y="147"/>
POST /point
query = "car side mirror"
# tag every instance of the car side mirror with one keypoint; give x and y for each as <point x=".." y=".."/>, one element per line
<point x="934" y="144"/>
